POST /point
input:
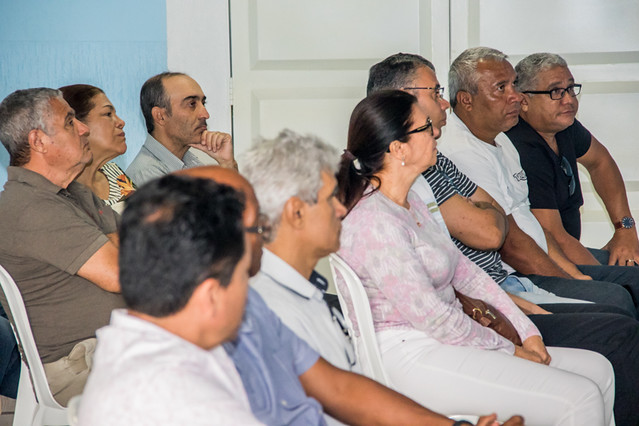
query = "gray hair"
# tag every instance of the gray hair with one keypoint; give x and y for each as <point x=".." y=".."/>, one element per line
<point x="528" y="69"/>
<point x="153" y="94"/>
<point x="288" y="166"/>
<point x="395" y="72"/>
<point x="20" y="113"/>
<point x="463" y="71"/>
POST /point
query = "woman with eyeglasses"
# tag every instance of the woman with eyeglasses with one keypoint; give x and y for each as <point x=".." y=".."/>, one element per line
<point x="106" y="139"/>
<point x="432" y="351"/>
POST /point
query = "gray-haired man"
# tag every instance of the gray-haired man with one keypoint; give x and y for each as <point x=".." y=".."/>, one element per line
<point x="550" y="142"/>
<point x="59" y="241"/>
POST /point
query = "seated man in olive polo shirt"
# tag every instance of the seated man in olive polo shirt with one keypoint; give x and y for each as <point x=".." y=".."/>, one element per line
<point x="59" y="241"/>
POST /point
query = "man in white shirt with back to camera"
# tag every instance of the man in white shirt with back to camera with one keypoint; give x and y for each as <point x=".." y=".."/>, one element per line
<point x="185" y="283"/>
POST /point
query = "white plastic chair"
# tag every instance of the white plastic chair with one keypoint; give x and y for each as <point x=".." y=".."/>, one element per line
<point x="35" y="404"/>
<point x="366" y="346"/>
<point x="365" y="343"/>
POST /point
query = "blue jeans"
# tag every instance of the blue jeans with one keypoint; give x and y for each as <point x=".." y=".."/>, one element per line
<point x="524" y="288"/>
<point x="9" y="359"/>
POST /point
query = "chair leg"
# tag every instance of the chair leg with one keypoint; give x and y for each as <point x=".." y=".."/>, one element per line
<point x="26" y="404"/>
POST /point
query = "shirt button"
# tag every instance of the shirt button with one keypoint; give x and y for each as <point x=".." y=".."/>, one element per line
<point x="284" y="403"/>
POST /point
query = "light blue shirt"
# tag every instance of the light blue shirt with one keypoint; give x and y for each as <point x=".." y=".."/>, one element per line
<point x="301" y="306"/>
<point x="155" y="160"/>
<point x="270" y="358"/>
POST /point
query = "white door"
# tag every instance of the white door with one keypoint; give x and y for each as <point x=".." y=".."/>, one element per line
<point x="304" y="64"/>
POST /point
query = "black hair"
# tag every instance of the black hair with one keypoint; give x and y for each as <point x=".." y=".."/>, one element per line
<point x="153" y="94"/>
<point x="377" y="120"/>
<point x="176" y="232"/>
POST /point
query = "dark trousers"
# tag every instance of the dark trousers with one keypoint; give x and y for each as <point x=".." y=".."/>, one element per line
<point x="612" y="335"/>
<point x="625" y="276"/>
<point x="601" y="292"/>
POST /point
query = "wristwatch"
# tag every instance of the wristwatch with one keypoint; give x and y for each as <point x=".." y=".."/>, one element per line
<point x="462" y="423"/>
<point x="626" y="222"/>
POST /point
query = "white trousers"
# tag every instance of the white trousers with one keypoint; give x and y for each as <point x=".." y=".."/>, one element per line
<point x="577" y="389"/>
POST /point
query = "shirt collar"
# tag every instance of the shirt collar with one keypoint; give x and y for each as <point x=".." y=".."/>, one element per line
<point x="163" y="154"/>
<point x="456" y="121"/>
<point x="20" y="174"/>
<point x="286" y="276"/>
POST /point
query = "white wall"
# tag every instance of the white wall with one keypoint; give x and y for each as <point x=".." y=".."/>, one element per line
<point x="304" y="64"/>
<point x="198" y="44"/>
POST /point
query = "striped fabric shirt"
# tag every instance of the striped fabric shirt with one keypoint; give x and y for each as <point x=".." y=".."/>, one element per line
<point x="446" y="180"/>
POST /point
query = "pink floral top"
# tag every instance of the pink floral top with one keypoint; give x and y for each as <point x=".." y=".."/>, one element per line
<point x="409" y="268"/>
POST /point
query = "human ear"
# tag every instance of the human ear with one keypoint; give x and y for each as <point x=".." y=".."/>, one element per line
<point x="36" y="141"/>
<point x="465" y="99"/>
<point x="158" y="115"/>
<point x="207" y="295"/>
<point x="294" y="212"/>
<point x="398" y="150"/>
<point x="524" y="103"/>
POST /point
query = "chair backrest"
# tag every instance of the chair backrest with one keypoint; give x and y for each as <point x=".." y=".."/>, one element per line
<point x="351" y="293"/>
<point x="47" y="408"/>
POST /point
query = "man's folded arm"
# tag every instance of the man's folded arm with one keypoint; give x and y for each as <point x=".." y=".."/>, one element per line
<point x="102" y="268"/>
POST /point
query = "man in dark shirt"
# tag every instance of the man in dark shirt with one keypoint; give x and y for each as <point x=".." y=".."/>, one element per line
<point x="550" y="142"/>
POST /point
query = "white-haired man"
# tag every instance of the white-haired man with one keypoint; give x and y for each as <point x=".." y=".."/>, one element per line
<point x="295" y="184"/>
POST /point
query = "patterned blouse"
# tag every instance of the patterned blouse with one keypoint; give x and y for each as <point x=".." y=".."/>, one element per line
<point x="120" y="185"/>
<point x="409" y="267"/>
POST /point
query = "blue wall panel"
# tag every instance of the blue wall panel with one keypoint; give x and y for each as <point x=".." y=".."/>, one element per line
<point x="115" y="45"/>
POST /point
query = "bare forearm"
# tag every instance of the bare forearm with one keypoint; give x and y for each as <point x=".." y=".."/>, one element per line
<point x="559" y="257"/>
<point x="609" y="184"/>
<point x="575" y="251"/>
<point x="477" y="224"/>
<point x="357" y="400"/>
<point x="497" y="213"/>
<point x="528" y="308"/>
<point x="522" y="253"/>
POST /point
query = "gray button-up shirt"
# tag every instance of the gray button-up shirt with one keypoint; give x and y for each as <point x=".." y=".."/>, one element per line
<point x="155" y="160"/>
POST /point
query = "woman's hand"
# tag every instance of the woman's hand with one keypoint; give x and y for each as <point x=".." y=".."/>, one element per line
<point x="533" y="349"/>
<point x="522" y="353"/>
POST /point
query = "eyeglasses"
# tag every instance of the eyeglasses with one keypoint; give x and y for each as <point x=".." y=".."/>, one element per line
<point x="565" y="167"/>
<point x="263" y="228"/>
<point x="439" y="90"/>
<point x="558" y="93"/>
<point x="427" y="126"/>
